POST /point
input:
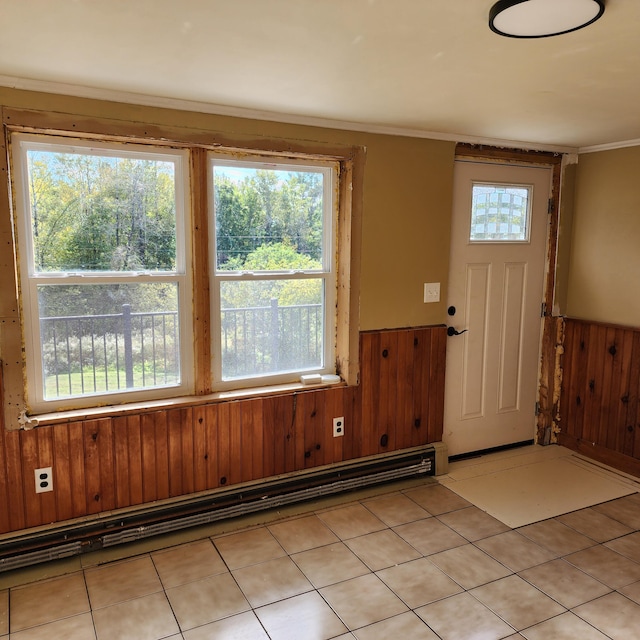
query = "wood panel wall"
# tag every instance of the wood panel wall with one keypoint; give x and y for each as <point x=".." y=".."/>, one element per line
<point x="115" y="462"/>
<point x="599" y="402"/>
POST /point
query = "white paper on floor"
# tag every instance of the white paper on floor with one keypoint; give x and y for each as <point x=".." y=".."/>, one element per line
<point x="529" y="493"/>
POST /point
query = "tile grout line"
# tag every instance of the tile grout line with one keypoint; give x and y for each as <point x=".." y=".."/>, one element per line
<point x="371" y="571"/>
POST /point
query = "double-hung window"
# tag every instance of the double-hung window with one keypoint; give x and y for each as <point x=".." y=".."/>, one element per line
<point x="103" y="253"/>
<point x="273" y="269"/>
<point x="106" y="249"/>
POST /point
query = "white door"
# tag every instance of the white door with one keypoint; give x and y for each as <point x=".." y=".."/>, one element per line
<point x="496" y="284"/>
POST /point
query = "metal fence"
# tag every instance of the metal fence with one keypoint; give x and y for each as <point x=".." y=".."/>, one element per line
<point x="98" y="353"/>
<point x="110" y="352"/>
<point x="263" y="340"/>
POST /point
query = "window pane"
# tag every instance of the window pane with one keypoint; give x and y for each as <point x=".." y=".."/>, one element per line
<point x="106" y="338"/>
<point x="96" y="213"/>
<point x="268" y="219"/>
<point x="499" y="213"/>
<point x="271" y="326"/>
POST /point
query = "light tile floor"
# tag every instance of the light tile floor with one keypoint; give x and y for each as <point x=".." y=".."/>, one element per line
<point x="412" y="560"/>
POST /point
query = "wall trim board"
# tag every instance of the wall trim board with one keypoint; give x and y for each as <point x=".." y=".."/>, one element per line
<point x="619" y="461"/>
<point x="610" y="146"/>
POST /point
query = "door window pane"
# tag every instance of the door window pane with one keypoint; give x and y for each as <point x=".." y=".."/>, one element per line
<point x="500" y="213"/>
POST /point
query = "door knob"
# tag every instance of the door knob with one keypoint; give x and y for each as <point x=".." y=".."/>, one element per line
<point x="451" y="331"/>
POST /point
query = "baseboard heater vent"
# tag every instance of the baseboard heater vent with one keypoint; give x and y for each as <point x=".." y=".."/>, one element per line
<point x="73" y="538"/>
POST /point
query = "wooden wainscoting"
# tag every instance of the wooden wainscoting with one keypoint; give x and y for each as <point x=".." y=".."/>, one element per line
<point x="116" y="462"/>
<point x="599" y="408"/>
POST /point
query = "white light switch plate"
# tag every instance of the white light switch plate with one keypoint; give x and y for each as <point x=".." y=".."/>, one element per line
<point x="432" y="292"/>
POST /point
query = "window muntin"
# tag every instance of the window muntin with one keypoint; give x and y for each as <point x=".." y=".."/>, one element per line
<point x="274" y="275"/>
<point x="105" y="289"/>
<point x="500" y="213"/>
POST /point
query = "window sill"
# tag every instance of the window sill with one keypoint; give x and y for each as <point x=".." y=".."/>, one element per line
<point x="111" y="411"/>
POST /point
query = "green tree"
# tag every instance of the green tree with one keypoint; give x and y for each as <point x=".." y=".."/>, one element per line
<point x="96" y="213"/>
<point x="240" y="221"/>
<point x="266" y="207"/>
<point x="300" y="208"/>
<point x="275" y="257"/>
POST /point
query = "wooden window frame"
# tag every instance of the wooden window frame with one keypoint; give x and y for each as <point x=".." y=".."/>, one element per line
<point x="350" y="160"/>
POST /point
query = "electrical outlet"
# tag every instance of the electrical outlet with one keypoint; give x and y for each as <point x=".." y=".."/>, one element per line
<point x="338" y="427"/>
<point x="44" y="479"/>
<point x="432" y="292"/>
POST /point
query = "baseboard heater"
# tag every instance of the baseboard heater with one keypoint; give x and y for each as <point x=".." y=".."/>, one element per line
<point x="70" y="538"/>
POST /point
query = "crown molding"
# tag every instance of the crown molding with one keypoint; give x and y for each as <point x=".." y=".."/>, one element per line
<point x="79" y="91"/>
<point x="610" y="146"/>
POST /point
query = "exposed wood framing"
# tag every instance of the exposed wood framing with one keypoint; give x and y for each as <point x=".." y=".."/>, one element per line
<point x="200" y="271"/>
<point x="349" y="249"/>
<point x="10" y="331"/>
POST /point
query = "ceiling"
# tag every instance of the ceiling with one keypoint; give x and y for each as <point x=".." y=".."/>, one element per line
<point x="423" y="67"/>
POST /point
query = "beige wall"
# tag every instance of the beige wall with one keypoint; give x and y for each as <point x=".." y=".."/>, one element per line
<point x="407" y="200"/>
<point x="405" y="220"/>
<point x="406" y="230"/>
<point x="603" y="283"/>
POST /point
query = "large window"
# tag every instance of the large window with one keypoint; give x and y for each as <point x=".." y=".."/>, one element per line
<point x="106" y="255"/>
<point x="274" y="270"/>
<point x="103" y="262"/>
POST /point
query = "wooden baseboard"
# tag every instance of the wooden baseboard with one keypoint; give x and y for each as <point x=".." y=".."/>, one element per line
<point x="614" y="459"/>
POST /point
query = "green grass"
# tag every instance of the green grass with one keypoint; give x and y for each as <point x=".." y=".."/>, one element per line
<point x="72" y="384"/>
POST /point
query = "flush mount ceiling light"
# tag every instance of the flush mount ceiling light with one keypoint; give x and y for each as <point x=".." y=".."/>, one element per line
<point x="542" y="18"/>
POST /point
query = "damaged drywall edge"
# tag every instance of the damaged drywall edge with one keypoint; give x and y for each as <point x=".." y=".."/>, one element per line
<point x="25" y="421"/>
<point x="557" y="379"/>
